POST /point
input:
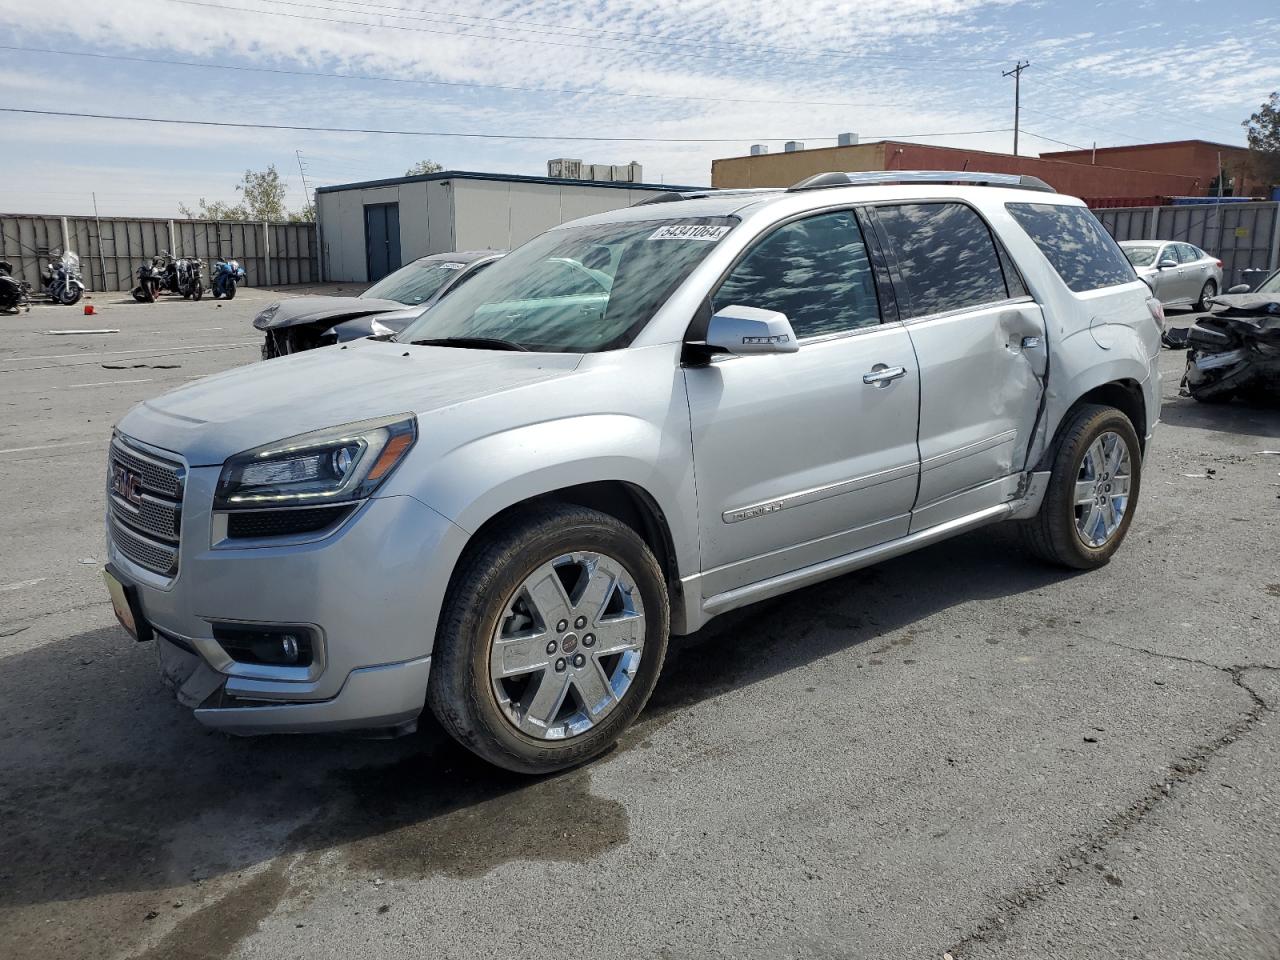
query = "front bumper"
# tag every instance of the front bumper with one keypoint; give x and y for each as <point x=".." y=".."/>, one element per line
<point x="371" y="592"/>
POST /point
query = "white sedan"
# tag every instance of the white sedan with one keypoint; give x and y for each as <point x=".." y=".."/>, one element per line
<point x="1179" y="274"/>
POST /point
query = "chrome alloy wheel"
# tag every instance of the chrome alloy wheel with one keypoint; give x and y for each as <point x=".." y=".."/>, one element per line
<point x="567" y="646"/>
<point x="1102" y="489"/>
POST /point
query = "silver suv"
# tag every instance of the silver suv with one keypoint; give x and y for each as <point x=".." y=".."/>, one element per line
<point x="710" y="400"/>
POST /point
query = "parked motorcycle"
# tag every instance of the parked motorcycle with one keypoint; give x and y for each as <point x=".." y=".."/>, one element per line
<point x="14" y="293"/>
<point x="61" y="278"/>
<point x="186" y="278"/>
<point x="151" y="279"/>
<point x="226" y="275"/>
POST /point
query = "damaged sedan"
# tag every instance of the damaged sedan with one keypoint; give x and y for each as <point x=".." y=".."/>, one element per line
<point x="1235" y="353"/>
<point x="390" y="305"/>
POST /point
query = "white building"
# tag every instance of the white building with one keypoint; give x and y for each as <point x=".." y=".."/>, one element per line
<point x="369" y="229"/>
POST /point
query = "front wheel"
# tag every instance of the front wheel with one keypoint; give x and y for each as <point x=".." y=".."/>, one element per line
<point x="197" y="291"/>
<point x="229" y="290"/>
<point x="1207" y="293"/>
<point x="69" y="294"/>
<point x="551" y="640"/>
<point x="1093" y="490"/>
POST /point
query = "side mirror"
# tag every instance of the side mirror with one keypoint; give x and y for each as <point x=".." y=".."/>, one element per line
<point x="1240" y="288"/>
<point x="746" y="331"/>
<point x="1166" y="263"/>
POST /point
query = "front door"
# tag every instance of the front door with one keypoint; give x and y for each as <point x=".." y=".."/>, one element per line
<point x="980" y="343"/>
<point x="796" y="458"/>
<point x="381" y="239"/>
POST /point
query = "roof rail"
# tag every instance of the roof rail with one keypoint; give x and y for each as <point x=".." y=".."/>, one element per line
<point x="880" y="177"/>
<point x="670" y="196"/>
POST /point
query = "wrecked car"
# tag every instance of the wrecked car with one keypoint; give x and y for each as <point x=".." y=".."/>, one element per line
<point x="1235" y="353"/>
<point x="390" y="305"/>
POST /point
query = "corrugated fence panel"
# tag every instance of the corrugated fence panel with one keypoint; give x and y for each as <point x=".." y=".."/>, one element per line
<point x="112" y="249"/>
<point x="1244" y="236"/>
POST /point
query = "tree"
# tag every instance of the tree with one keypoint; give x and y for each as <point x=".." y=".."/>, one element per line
<point x="422" y="168"/>
<point x="1263" y="130"/>
<point x="263" y="198"/>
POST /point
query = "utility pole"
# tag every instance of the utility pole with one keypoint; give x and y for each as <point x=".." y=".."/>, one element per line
<point x="1016" y="73"/>
<point x="305" y="189"/>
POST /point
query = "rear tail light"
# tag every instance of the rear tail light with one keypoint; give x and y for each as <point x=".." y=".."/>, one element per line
<point x="1157" y="312"/>
<point x="1219" y="263"/>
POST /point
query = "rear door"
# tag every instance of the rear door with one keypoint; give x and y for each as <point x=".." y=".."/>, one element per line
<point x="979" y="341"/>
<point x="797" y="458"/>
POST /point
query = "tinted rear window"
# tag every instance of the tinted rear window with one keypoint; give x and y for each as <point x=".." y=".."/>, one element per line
<point x="945" y="255"/>
<point x="1075" y="243"/>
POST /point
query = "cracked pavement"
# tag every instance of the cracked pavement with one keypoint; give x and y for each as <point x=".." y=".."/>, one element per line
<point x="958" y="751"/>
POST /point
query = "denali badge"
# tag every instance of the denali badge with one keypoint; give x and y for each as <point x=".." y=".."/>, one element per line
<point x="126" y="484"/>
<point x="750" y="513"/>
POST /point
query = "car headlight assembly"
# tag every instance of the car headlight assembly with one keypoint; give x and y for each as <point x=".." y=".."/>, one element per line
<point x="263" y="318"/>
<point x="332" y="466"/>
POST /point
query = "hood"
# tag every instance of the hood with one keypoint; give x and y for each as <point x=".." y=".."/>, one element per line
<point x="356" y="327"/>
<point x="211" y="419"/>
<point x="299" y="310"/>
<point x="1267" y="304"/>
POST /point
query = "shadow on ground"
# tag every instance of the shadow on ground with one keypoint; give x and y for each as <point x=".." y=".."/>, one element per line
<point x="106" y="785"/>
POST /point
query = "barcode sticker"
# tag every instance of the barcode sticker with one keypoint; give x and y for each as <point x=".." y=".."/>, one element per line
<point x="689" y="231"/>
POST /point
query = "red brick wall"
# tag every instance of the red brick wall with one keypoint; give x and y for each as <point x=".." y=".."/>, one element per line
<point x="1076" y="179"/>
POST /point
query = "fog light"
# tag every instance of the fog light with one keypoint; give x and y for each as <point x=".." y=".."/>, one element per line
<point x="266" y="645"/>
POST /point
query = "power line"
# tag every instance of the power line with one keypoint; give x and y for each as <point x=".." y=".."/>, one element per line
<point x="469" y="136"/>
<point x="440" y="83"/>
<point x="1041" y="136"/>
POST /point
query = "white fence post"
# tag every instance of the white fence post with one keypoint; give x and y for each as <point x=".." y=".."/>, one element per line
<point x="66" y="236"/>
<point x="173" y="243"/>
<point x="266" y="252"/>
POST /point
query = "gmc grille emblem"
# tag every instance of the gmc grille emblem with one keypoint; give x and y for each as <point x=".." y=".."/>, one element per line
<point x="126" y="484"/>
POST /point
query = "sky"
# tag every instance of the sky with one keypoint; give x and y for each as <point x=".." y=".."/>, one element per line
<point x="672" y="84"/>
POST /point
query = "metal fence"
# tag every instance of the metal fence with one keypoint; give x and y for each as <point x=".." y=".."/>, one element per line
<point x="111" y="249"/>
<point x="1244" y="236"/>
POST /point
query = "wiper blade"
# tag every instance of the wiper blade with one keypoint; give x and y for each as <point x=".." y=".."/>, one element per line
<point x="481" y="343"/>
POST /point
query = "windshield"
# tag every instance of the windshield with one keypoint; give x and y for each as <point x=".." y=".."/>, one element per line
<point x="1270" y="285"/>
<point x="1141" y="256"/>
<point x="575" y="289"/>
<point x="415" y="283"/>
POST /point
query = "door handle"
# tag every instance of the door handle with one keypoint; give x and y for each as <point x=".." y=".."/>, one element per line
<point x="882" y="376"/>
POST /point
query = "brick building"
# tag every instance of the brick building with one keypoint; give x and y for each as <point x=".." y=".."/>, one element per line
<point x="1101" y="181"/>
<point x="1198" y="158"/>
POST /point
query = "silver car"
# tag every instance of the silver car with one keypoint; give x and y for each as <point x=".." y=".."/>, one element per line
<point x="1180" y="274"/>
<point x="632" y="424"/>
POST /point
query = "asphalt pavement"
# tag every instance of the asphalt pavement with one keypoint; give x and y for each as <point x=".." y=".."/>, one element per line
<point x="957" y="752"/>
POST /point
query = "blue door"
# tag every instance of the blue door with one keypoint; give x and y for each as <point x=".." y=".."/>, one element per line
<point x="381" y="239"/>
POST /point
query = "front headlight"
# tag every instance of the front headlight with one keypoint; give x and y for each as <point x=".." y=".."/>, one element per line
<point x="263" y="318"/>
<point x="335" y="465"/>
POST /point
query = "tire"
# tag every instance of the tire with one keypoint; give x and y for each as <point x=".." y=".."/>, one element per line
<point x="484" y="599"/>
<point x="1210" y="289"/>
<point x="230" y="291"/>
<point x="69" y="295"/>
<point x="1055" y="534"/>
<point x="197" y="292"/>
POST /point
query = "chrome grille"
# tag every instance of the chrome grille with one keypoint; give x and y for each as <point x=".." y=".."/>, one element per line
<point x="146" y="528"/>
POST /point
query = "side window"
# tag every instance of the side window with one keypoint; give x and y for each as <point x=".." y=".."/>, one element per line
<point x="1075" y="244"/>
<point x="1188" y="253"/>
<point x="945" y="255"/>
<point x="815" y="271"/>
<point x="1168" y="252"/>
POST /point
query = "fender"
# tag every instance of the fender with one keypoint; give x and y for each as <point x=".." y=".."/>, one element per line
<point x="478" y="480"/>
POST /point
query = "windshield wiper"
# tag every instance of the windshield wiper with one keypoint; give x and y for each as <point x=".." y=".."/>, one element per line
<point x="480" y="343"/>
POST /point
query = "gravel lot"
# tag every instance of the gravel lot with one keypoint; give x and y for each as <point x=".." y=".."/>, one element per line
<point x="958" y="751"/>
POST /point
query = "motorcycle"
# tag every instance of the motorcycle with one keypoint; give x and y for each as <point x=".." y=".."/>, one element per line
<point x="186" y="278"/>
<point x="61" y="278"/>
<point x="14" y="293"/>
<point x="151" y="279"/>
<point x="226" y="275"/>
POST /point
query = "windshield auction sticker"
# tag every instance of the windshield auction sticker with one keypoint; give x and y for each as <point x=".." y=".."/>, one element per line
<point x="450" y="266"/>
<point x="689" y="231"/>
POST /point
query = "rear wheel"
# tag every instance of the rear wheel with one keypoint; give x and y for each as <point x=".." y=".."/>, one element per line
<point x="1207" y="292"/>
<point x="551" y="640"/>
<point x="1093" y="490"/>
